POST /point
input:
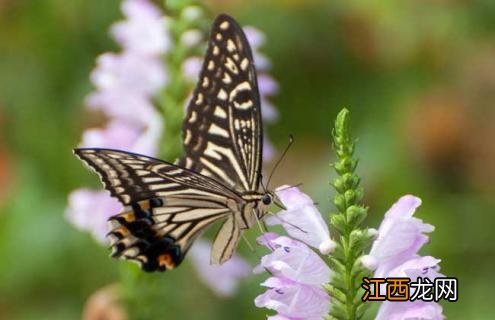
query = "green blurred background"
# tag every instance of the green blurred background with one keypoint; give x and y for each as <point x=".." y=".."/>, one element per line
<point x="417" y="75"/>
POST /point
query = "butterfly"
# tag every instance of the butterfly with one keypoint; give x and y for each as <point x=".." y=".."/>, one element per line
<point x="167" y="206"/>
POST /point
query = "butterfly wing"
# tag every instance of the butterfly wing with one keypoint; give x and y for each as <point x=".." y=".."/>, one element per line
<point x="166" y="207"/>
<point x="223" y="131"/>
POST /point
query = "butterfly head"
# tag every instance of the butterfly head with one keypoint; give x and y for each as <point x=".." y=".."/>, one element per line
<point x="268" y="199"/>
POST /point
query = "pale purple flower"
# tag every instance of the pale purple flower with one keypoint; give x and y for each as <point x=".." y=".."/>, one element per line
<point x="144" y="31"/>
<point x="416" y="267"/>
<point x="191" y="68"/>
<point x="294" y="300"/>
<point x="270" y="113"/>
<point x="268" y="149"/>
<point x="394" y="253"/>
<point x="280" y="317"/>
<point x="292" y="260"/>
<point x="127" y="72"/>
<point x="115" y="135"/>
<point x="257" y="39"/>
<point x="400" y="235"/>
<point x="122" y="105"/>
<point x="221" y="279"/>
<point x="125" y="86"/>
<point x="89" y="210"/>
<point x="410" y="310"/>
<point x="267" y="85"/>
<point x="302" y="220"/>
<point x="191" y="38"/>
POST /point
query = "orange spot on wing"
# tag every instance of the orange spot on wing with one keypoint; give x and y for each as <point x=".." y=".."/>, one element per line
<point x="165" y="260"/>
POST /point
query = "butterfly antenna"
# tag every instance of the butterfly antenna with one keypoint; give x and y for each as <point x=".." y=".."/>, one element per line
<point x="261" y="182"/>
<point x="291" y="141"/>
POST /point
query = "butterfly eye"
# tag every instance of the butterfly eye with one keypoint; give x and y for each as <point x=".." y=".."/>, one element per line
<point x="267" y="199"/>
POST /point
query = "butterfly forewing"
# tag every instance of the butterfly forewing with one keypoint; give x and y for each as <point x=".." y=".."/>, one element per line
<point x="222" y="130"/>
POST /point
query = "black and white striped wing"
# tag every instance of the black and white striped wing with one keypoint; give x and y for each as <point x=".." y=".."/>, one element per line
<point x="222" y="131"/>
<point x="166" y="207"/>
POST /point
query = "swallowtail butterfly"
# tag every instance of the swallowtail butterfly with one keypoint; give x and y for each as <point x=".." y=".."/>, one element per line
<point x="167" y="206"/>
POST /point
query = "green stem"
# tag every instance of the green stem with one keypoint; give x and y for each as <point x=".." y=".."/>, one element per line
<point x="348" y="272"/>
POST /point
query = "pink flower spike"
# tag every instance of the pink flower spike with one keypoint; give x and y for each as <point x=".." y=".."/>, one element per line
<point x="267" y="85"/>
<point x="279" y="317"/>
<point x="410" y="310"/>
<point x="144" y="31"/>
<point x="293" y="300"/>
<point x="416" y="267"/>
<point x="268" y="111"/>
<point x="89" y="210"/>
<point x="293" y="260"/>
<point x="116" y="135"/>
<point x="127" y="72"/>
<point x="302" y="220"/>
<point x="148" y="141"/>
<point x="221" y="279"/>
<point x="121" y="105"/>
<point x="255" y="37"/>
<point x="268" y="149"/>
<point x="400" y="236"/>
<point x="191" y="68"/>
<point x="140" y="9"/>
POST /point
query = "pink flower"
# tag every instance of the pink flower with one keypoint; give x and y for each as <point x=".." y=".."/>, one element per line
<point x="222" y="279"/>
<point x="144" y="31"/>
<point x="298" y="274"/>
<point x="257" y="39"/>
<point x="410" y="310"/>
<point x="191" y="68"/>
<point x="292" y="260"/>
<point x="125" y="86"/>
<point x="89" y="210"/>
<point x="268" y="149"/>
<point x="302" y="220"/>
<point x="267" y="85"/>
<point x="400" y="235"/>
<point x="124" y="136"/>
<point x="115" y="135"/>
<point x="128" y="72"/>
<point x="394" y="254"/>
<point x="293" y="300"/>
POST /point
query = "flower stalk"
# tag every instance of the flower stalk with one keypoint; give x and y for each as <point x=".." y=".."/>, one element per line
<point x="182" y="17"/>
<point x="143" y="294"/>
<point x="345" y="283"/>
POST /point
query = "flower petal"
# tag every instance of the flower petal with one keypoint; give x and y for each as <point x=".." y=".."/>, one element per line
<point x="400" y="236"/>
<point x="293" y="300"/>
<point x="293" y="260"/>
<point x="144" y="31"/>
<point x="128" y="72"/>
<point x="409" y="310"/>
<point x="301" y="220"/>
<point x="89" y="210"/>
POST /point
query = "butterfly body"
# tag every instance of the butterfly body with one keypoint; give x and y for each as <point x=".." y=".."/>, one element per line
<point x="167" y="206"/>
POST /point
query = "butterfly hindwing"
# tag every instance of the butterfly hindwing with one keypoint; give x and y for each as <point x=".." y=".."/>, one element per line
<point x="222" y="131"/>
<point x="166" y="207"/>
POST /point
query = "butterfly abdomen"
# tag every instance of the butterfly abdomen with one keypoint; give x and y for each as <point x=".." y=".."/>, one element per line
<point x="133" y="236"/>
